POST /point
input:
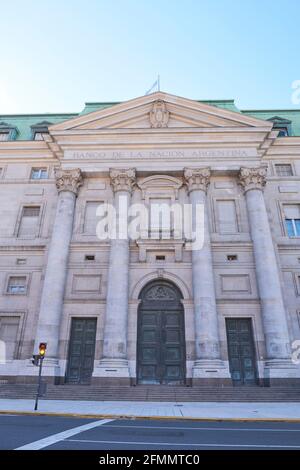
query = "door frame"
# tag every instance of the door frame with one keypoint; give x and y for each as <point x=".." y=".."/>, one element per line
<point x="163" y="307"/>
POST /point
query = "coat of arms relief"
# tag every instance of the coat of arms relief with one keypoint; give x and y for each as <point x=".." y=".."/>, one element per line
<point x="159" y="115"/>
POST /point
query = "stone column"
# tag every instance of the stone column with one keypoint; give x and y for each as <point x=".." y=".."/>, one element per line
<point x="114" y="362"/>
<point x="207" y="364"/>
<point x="67" y="183"/>
<point x="273" y="312"/>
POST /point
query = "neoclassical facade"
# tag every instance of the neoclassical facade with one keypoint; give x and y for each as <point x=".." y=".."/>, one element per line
<point x="151" y="310"/>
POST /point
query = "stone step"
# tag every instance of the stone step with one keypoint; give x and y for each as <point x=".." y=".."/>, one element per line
<point x="154" y="393"/>
<point x="141" y="391"/>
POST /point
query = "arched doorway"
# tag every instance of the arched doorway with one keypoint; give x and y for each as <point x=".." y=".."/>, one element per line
<point x="161" y="335"/>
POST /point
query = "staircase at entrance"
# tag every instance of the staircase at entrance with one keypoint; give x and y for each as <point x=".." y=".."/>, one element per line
<point x="156" y="393"/>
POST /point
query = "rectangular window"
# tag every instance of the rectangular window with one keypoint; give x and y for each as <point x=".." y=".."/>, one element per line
<point x="90" y="218"/>
<point x="39" y="174"/>
<point x="89" y="257"/>
<point x="29" y="222"/>
<point x="292" y="219"/>
<point x="39" y="135"/>
<point x="232" y="257"/>
<point x="284" y="170"/>
<point x="17" y="285"/>
<point x="4" y="136"/>
<point x="283" y="131"/>
<point x="161" y="218"/>
<point x="226" y="217"/>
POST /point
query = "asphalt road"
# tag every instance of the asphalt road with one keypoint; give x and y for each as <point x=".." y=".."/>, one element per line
<point x="58" y="433"/>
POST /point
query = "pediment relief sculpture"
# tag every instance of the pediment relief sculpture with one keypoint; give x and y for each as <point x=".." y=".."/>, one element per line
<point x="159" y="115"/>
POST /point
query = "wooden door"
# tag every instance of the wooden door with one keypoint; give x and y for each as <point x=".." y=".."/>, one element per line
<point x="161" y="338"/>
<point x="241" y="352"/>
<point x="81" y="350"/>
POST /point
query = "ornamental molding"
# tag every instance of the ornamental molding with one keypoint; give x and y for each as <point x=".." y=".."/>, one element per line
<point x="68" y="180"/>
<point x="253" y="178"/>
<point x="123" y="179"/>
<point x="159" y="115"/>
<point x="197" y="178"/>
<point x="160" y="186"/>
<point x="160" y="293"/>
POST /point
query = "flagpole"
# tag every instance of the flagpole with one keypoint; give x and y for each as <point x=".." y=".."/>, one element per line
<point x="158" y="82"/>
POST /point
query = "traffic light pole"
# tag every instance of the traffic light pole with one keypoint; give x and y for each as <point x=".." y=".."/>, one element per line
<point x="39" y="383"/>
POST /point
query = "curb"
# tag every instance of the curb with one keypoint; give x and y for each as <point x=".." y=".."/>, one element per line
<point x="124" y="416"/>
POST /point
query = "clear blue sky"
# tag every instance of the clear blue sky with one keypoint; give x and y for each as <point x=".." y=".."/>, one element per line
<point x="57" y="54"/>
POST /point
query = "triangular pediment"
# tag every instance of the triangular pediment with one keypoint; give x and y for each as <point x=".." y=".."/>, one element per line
<point x="159" y="110"/>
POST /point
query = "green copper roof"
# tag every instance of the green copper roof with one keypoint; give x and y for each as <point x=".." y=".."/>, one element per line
<point x="91" y="107"/>
<point x="225" y="104"/>
<point x="23" y="122"/>
<point x="292" y="115"/>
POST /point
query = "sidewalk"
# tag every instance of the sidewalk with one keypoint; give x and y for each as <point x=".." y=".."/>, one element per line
<point x="115" y="409"/>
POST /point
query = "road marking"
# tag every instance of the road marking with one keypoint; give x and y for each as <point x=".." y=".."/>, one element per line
<point x="202" y="429"/>
<point x="185" y="444"/>
<point x="50" y="440"/>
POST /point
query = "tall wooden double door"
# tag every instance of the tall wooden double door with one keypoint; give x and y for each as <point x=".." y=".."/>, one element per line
<point x="241" y="351"/>
<point x="161" y="335"/>
<point x="81" y="351"/>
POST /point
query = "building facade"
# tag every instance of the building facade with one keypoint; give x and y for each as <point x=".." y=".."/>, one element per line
<point x="151" y="310"/>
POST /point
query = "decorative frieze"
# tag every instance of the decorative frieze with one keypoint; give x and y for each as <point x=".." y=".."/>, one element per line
<point x="253" y="178"/>
<point x="68" y="180"/>
<point x="122" y="179"/>
<point x="197" y="178"/>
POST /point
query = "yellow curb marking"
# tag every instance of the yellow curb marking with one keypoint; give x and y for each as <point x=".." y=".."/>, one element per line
<point x="124" y="416"/>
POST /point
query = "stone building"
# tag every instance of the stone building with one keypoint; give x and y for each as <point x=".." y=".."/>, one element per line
<point x="151" y="310"/>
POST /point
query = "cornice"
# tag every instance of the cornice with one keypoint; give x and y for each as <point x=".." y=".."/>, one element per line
<point x="23" y="144"/>
<point x="142" y="140"/>
<point x="24" y="149"/>
<point x="161" y="130"/>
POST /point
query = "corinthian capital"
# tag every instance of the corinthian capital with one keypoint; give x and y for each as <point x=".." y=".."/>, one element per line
<point x="197" y="178"/>
<point x="122" y="179"/>
<point x="68" y="180"/>
<point x="253" y="178"/>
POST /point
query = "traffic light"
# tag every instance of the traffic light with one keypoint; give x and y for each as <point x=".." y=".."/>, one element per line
<point x="42" y="349"/>
<point x="35" y="360"/>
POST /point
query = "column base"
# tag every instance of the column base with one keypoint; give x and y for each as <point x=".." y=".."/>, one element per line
<point x="211" y="372"/>
<point x="113" y="371"/>
<point x="281" y="372"/>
